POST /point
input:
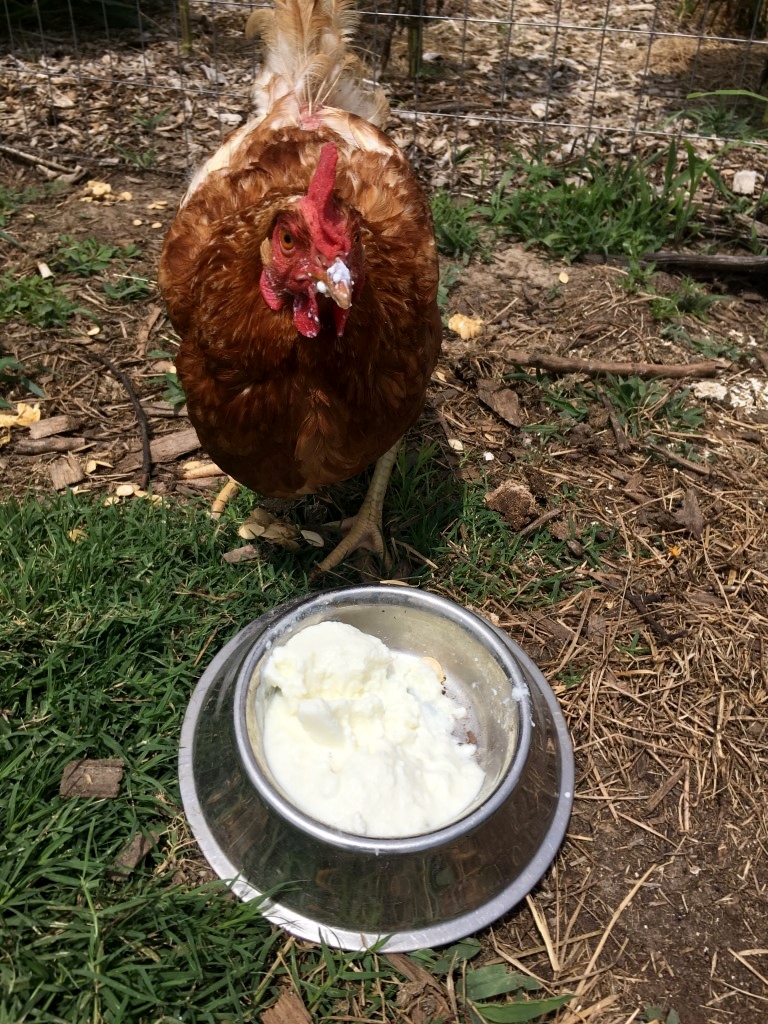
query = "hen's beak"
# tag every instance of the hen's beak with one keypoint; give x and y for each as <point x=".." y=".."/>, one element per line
<point x="337" y="283"/>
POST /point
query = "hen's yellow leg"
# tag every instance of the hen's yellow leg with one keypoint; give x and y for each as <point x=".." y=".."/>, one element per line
<point x="366" y="527"/>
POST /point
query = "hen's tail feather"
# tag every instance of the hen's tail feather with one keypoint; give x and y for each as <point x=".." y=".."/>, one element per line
<point x="307" y="62"/>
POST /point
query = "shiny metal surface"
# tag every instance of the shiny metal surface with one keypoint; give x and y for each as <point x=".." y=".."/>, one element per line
<point x="349" y="890"/>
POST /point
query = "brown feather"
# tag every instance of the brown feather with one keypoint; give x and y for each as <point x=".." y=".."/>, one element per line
<point x="283" y="413"/>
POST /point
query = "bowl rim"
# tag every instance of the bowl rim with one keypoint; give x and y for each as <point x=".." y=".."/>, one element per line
<point x="394" y="845"/>
<point x="439" y="933"/>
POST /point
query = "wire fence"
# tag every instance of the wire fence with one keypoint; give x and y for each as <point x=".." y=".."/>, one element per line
<point x="147" y="84"/>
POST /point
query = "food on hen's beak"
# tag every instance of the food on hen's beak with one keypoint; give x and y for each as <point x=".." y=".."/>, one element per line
<point x="337" y="282"/>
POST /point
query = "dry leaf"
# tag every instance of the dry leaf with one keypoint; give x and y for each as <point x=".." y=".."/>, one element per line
<point x="24" y="416"/>
<point x="288" y="1009"/>
<point x="76" y="535"/>
<point x="313" y="538"/>
<point x="465" y="326"/>
<point x="689" y="516"/>
<point x="283" y="535"/>
<point x="244" y="554"/>
<point x="503" y="401"/>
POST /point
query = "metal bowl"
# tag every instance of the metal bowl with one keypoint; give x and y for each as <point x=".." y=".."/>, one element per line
<point x="353" y="891"/>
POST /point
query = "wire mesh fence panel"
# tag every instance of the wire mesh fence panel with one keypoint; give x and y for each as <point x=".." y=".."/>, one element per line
<point x="158" y="83"/>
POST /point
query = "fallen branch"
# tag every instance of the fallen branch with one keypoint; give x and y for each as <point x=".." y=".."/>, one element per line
<point x="695" y="261"/>
<point x="141" y="416"/>
<point x="40" y="161"/>
<point x="594" y="367"/>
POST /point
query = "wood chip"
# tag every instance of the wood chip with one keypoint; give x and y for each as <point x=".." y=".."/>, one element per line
<point x="163" y="449"/>
<point x="46" y="445"/>
<point x="145" y="329"/>
<point x="503" y="401"/>
<point x="131" y="855"/>
<point x="288" y="1009"/>
<point x="98" y="778"/>
<point x="66" y="472"/>
<point x="246" y="553"/>
<point x="53" y="425"/>
<point x="165" y="410"/>
<point x="665" y="789"/>
<point x="422" y="998"/>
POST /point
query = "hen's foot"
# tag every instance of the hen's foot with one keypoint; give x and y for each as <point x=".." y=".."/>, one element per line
<point x="222" y="499"/>
<point x="365" y="529"/>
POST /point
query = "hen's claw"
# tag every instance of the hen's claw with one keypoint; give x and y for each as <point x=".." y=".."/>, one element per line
<point x="365" y="529"/>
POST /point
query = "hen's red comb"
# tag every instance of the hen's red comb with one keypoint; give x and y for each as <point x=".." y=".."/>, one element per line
<point x="323" y="180"/>
<point x="321" y="212"/>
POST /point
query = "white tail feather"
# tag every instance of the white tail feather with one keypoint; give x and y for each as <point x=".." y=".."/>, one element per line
<point x="307" y="63"/>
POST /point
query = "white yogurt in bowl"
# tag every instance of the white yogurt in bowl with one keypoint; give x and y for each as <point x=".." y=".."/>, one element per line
<point x="364" y="738"/>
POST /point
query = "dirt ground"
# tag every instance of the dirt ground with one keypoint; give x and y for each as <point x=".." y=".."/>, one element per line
<point x="658" y="895"/>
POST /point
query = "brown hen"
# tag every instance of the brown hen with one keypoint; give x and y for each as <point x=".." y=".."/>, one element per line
<point x="301" y="275"/>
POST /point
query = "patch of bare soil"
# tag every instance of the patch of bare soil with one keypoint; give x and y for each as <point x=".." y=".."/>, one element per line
<point x="658" y="895"/>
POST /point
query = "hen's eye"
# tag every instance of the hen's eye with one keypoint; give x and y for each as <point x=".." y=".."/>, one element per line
<point x="287" y="241"/>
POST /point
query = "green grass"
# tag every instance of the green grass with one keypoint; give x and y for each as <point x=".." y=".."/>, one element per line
<point x="457" y="227"/>
<point x="12" y="375"/>
<point x="37" y="300"/>
<point x="12" y="199"/>
<point x="108" y="616"/>
<point x="591" y="206"/>
<point x="645" y="408"/>
<point x="85" y="257"/>
<point x="688" y="299"/>
<point x="627" y="209"/>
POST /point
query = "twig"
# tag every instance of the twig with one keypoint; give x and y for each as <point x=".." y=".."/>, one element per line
<point x="665" y="637"/>
<point x="695" y="467"/>
<point x="39" y="161"/>
<point x="593" y="367"/>
<point x="622" y="444"/>
<point x="141" y="416"/>
<point x="545" y="517"/>
<point x="695" y="261"/>
<point x="541" y="923"/>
